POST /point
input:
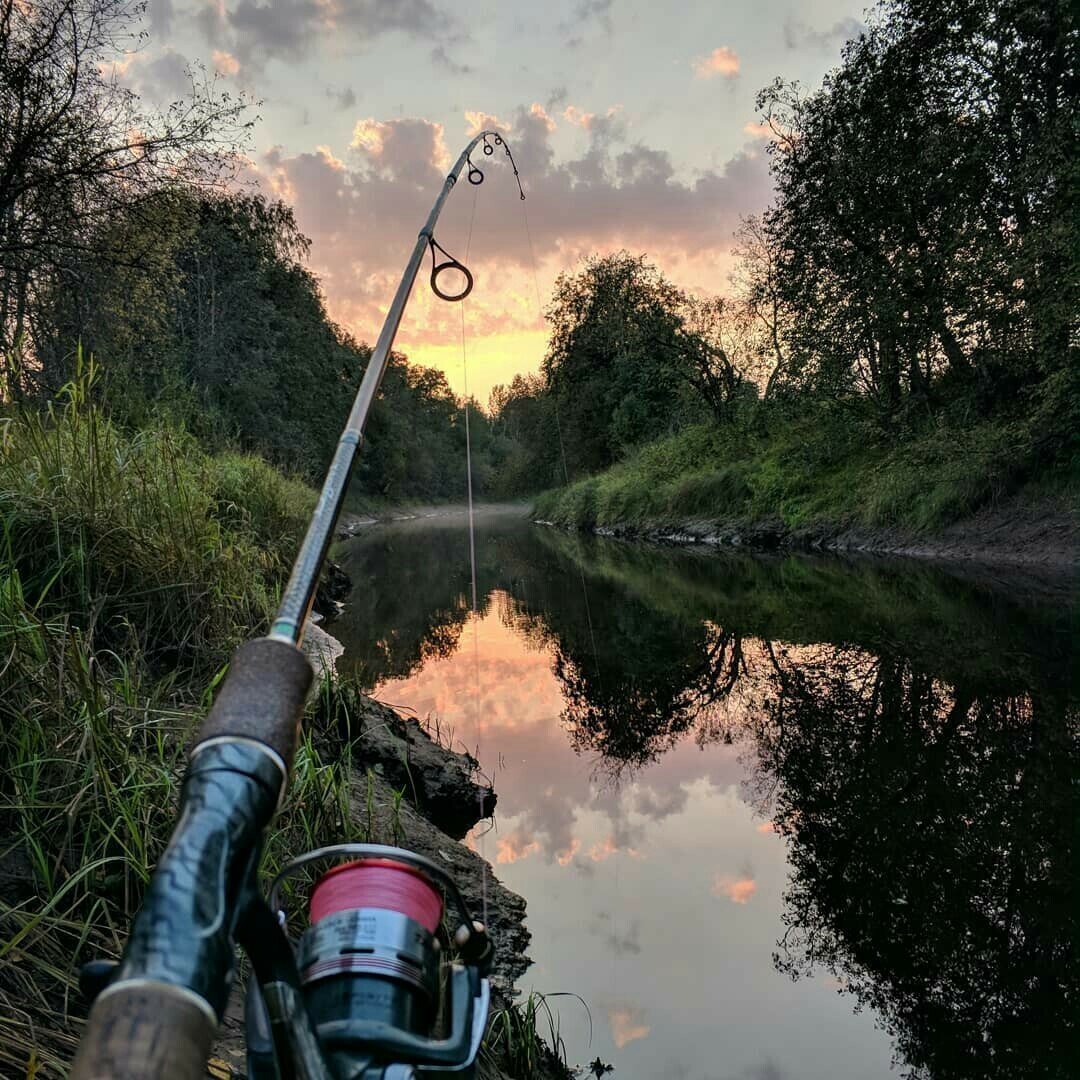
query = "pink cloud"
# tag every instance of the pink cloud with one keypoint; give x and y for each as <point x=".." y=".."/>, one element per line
<point x="566" y="856"/>
<point x="515" y="846"/>
<point x="757" y="131"/>
<point x="721" y="61"/>
<point x="737" y="890"/>
<point x="226" y="64"/>
<point x="573" y="115"/>
<point x="627" y="1024"/>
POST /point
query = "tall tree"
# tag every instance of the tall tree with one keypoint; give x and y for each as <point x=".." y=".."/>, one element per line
<point x="926" y="202"/>
<point x="616" y="363"/>
<point x="76" y="145"/>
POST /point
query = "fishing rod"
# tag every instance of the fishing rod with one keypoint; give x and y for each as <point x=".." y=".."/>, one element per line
<point x="367" y="992"/>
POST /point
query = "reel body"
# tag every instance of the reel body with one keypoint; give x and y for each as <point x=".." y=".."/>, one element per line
<point x="370" y="995"/>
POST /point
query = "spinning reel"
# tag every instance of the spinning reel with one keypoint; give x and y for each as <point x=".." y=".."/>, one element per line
<point x="367" y="993"/>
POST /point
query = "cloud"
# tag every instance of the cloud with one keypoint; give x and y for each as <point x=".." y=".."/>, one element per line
<point x="798" y="34"/>
<point x="342" y="99"/>
<point x="226" y="64"/>
<point x="161" y="16"/>
<point x="556" y="99"/>
<point x="721" y="61"/>
<point x="623" y="943"/>
<point x="442" y="59"/>
<point x="566" y="855"/>
<point x="758" y="131"/>
<point x="482" y="121"/>
<point x="165" y="78"/>
<point x="402" y="151"/>
<point x="737" y="890"/>
<point x="363" y="213"/>
<point x="586" y="14"/>
<point x="290" y="29"/>
<point x="602" y="128"/>
<point x="627" y="1023"/>
<point x="516" y="845"/>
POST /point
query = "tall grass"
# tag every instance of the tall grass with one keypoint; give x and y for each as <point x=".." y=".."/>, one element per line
<point x="525" y="1037"/>
<point x="817" y="470"/>
<point x="130" y="565"/>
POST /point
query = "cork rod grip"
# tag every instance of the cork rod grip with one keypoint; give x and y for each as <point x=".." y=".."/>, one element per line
<point x="262" y="697"/>
<point x="144" y="1032"/>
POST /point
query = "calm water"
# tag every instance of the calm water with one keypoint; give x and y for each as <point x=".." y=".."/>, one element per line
<point x="775" y="818"/>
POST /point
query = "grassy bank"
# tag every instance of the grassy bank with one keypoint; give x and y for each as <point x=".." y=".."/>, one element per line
<point x="130" y="566"/>
<point x="826" y="472"/>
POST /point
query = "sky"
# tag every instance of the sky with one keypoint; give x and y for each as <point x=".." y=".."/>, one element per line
<point x="633" y="124"/>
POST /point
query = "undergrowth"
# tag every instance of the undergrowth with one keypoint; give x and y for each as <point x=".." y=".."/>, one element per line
<point x="820" y="470"/>
<point x="525" y="1039"/>
<point x="130" y="566"/>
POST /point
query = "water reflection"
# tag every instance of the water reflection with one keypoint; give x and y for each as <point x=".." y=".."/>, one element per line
<point x="912" y="736"/>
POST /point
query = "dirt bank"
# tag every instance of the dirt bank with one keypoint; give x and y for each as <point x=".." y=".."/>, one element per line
<point x="1037" y="534"/>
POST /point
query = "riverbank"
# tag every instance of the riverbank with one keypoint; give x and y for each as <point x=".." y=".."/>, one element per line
<point x="351" y="522"/>
<point x="407" y="789"/>
<point x="133" y="564"/>
<point x="1042" y="533"/>
<point x="970" y="494"/>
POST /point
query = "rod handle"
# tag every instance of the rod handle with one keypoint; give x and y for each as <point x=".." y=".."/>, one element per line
<point x="145" y="1031"/>
<point x="262" y="697"/>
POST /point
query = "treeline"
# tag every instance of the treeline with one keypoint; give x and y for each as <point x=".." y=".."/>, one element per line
<point x="916" y="273"/>
<point x="123" y="236"/>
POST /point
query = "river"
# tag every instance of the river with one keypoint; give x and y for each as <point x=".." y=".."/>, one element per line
<point x="775" y="817"/>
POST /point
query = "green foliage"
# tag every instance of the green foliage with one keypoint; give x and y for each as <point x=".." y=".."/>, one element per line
<point x="129" y="567"/>
<point x="611" y="358"/>
<point x="514" y="1040"/>
<point x="143" y="534"/>
<point x="908" y="287"/>
<point x="815" y="472"/>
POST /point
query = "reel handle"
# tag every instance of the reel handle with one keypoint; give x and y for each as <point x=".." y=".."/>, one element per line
<point x="136" y="1032"/>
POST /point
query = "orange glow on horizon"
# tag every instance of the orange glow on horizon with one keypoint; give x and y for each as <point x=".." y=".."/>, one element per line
<point x="492" y="359"/>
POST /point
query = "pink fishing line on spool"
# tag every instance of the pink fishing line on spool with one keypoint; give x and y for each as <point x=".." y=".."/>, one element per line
<point x="377" y="883"/>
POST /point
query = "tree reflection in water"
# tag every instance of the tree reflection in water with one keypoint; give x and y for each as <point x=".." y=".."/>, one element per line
<point x="933" y="857"/>
<point x="914" y="736"/>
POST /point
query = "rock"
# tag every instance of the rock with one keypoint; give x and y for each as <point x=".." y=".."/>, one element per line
<point x="439" y="781"/>
<point x="334" y="586"/>
<point x="322" y="649"/>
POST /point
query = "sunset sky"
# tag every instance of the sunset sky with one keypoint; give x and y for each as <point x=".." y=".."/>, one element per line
<point x="633" y="124"/>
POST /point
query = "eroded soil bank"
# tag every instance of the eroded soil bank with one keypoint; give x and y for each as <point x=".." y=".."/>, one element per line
<point x="1042" y="534"/>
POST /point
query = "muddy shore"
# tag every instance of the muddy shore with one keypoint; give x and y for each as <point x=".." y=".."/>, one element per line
<point x="1039" y="535"/>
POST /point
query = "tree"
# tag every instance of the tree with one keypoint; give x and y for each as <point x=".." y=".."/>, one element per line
<point x="214" y="317"/>
<point x="756" y="279"/>
<point x="717" y="339"/>
<point x="616" y="364"/>
<point x="76" y="147"/>
<point x="925" y="227"/>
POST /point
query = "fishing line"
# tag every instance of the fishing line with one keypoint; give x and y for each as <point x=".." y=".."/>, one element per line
<point x="477" y="721"/>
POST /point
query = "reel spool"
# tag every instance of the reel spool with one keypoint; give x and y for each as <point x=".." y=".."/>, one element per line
<point x="371" y="967"/>
<point x="370" y="952"/>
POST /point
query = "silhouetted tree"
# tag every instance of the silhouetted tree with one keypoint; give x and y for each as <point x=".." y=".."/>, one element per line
<point x="76" y="147"/>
